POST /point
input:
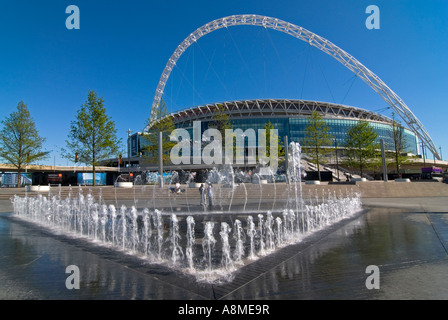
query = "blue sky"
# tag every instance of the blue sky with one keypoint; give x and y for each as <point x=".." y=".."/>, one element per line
<point x="122" y="47"/>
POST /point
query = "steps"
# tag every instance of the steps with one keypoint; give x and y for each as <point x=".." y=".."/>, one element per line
<point x="280" y="191"/>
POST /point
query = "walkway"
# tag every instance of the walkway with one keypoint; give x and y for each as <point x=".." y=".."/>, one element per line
<point x="407" y="238"/>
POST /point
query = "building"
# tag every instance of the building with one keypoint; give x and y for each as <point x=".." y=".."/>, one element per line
<point x="289" y="117"/>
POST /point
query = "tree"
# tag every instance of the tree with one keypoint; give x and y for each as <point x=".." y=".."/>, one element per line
<point x="20" y="143"/>
<point x="165" y="125"/>
<point x="93" y="136"/>
<point x="361" y="145"/>
<point x="317" y="139"/>
<point x="267" y="131"/>
<point x="220" y="121"/>
<point x="376" y="162"/>
<point x="399" y="144"/>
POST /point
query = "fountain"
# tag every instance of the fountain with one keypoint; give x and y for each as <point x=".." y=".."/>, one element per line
<point x="175" y="240"/>
<point x="147" y="230"/>
<point x="208" y="243"/>
<point x="159" y="226"/>
<point x="123" y="225"/>
<point x="176" y="250"/>
<point x="238" y="234"/>
<point x="227" y="261"/>
<point x="189" y="252"/>
<point x="251" y="232"/>
<point x="261" y="234"/>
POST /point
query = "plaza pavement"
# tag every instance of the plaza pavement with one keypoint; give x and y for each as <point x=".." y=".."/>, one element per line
<point x="403" y="231"/>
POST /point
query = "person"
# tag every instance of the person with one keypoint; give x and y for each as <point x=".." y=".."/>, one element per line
<point x="177" y="187"/>
<point x="202" y="193"/>
<point x="210" y="195"/>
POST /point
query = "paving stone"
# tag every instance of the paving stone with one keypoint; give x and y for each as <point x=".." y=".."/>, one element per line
<point x="405" y="237"/>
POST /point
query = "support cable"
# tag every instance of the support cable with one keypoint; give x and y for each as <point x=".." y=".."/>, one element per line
<point x="349" y="88"/>
<point x="313" y="39"/>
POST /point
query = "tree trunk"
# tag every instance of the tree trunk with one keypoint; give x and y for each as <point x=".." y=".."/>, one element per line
<point x="360" y="165"/>
<point x="317" y="162"/>
<point x="19" y="169"/>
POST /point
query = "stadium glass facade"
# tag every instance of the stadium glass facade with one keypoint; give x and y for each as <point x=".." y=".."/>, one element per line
<point x="295" y="128"/>
<point x="290" y="118"/>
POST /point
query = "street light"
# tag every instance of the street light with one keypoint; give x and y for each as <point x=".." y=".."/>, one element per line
<point x="129" y="148"/>
<point x="337" y="161"/>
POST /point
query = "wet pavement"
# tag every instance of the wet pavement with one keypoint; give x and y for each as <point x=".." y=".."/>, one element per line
<point x="407" y="239"/>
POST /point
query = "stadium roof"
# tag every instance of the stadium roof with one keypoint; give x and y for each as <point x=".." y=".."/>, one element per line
<point x="275" y="108"/>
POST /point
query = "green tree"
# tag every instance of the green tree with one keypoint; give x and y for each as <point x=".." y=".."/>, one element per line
<point x="399" y="145"/>
<point x="267" y="131"/>
<point x="220" y="121"/>
<point x="317" y="140"/>
<point x="165" y="125"/>
<point x="361" y="145"/>
<point x="20" y="143"/>
<point x="93" y="135"/>
<point x="376" y="162"/>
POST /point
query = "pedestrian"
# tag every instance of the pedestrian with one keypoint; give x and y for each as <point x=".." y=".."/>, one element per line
<point x="210" y="195"/>
<point x="202" y="193"/>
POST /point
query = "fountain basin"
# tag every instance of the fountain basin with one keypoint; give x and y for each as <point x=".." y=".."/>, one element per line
<point x="312" y="182"/>
<point x="210" y="245"/>
<point x="403" y="180"/>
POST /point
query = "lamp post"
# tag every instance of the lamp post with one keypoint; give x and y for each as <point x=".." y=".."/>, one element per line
<point x="423" y="154"/>
<point x="383" y="156"/>
<point x="337" y="160"/>
<point x="129" y="147"/>
<point x="160" y="159"/>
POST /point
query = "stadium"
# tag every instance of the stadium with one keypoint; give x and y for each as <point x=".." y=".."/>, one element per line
<point x="289" y="117"/>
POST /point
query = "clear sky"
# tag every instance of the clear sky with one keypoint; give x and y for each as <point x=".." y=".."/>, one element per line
<point x="122" y="47"/>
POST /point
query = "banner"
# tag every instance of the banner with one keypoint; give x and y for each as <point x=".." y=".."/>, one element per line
<point x="86" y="179"/>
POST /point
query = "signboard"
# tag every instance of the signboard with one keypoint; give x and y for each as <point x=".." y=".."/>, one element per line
<point x="86" y="179"/>
<point x="55" y="178"/>
<point x="9" y="179"/>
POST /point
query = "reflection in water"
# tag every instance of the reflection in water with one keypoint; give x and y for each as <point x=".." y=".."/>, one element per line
<point x="84" y="218"/>
<point x="39" y="263"/>
<point x="329" y="265"/>
<point x="334" y="267"/>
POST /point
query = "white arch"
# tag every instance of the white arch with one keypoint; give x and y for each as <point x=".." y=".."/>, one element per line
<point x="313" y="39"/>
